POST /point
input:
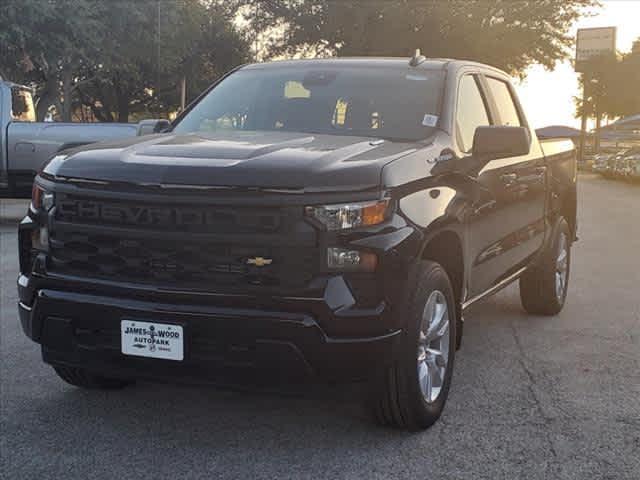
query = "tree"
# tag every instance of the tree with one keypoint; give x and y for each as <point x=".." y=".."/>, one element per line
<point x="612" y="86"/>
<point x="151" y="47"/>
<point x="116" y="57"/>
<point x="622" y="85"/>
<point x="507" y="34"/>
<point x="43" y="43"/>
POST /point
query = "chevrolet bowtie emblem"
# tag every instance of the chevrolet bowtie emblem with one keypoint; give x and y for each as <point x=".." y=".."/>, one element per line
<point x="259" y="261"/>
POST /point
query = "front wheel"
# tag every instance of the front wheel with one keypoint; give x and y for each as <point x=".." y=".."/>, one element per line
<point x="543" y="288"/>
<point x="411" y="394"/>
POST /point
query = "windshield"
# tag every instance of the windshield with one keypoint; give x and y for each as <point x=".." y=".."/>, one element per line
<point x="361" y="101"/>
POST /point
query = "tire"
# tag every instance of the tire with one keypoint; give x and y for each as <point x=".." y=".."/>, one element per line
<point x="543" y="287"/>
<point x="399" y="399"/>
<point x="79" y="377"/>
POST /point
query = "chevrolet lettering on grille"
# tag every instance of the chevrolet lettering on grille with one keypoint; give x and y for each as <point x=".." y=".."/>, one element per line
<point x="132" y="215"/>
<point x="147" y="215"/>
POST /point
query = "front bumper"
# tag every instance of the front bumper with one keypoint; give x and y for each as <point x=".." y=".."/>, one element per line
<point x="223" y="345"/>
<point x="335" y="327"/>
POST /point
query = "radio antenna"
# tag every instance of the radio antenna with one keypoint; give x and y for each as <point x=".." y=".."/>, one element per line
<point x="417" y="58"/>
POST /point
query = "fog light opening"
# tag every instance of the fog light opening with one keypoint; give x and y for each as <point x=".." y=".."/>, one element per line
<point x="351" y="260"/>
<point x="40" y="239"/>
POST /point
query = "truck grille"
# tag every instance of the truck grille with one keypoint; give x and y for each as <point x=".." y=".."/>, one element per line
<point x="179" y="263"/>
<point x="94" y="239"/>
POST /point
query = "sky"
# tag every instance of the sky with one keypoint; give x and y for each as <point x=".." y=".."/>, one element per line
<point x="548" y="96"/>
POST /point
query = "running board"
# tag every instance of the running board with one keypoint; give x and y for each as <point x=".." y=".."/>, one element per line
<point x="496" y="288"/>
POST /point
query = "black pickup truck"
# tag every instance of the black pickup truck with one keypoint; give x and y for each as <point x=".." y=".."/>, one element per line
<point x="315" y="219"/>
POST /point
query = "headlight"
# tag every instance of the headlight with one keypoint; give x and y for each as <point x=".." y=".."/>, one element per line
<point x="41" y="199"/>
<point x="353" y="215"/>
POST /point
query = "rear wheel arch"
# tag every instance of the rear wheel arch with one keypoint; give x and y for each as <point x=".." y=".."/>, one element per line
<point x="569" y="211"/>
<point x="543" y="287"/>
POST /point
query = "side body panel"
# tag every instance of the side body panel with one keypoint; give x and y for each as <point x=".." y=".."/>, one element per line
<point x="506" y="227"/>
<point x="499" y="211"/>
<point x="505" y="223"/>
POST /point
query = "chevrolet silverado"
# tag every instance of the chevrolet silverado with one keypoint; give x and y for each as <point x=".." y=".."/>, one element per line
<point x="315" y="219"/>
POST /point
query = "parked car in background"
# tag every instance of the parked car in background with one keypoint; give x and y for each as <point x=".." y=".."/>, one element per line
<point x="630" y="164"/>
<point x="600" y="162"/>
<point x="26" y="144"/>
<point x="610" y="168"/>
<point x="635" y="172"/>
<point x="621" y="164"/>
<point x="618" y="166"/>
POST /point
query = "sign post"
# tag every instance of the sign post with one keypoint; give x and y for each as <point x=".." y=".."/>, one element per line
<point x="591" y="43"/>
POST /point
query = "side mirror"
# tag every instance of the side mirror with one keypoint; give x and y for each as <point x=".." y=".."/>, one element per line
<point x="146" y="127"/>
<point x="494" y="142"/>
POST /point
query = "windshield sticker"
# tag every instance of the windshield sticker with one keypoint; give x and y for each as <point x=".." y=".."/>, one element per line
<point x="430" y="120"/>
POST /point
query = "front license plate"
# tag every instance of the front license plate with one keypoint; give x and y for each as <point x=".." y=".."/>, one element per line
<point x="150" y="339"/>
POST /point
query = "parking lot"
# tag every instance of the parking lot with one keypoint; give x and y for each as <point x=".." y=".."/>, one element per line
<point x="532" y="397"/>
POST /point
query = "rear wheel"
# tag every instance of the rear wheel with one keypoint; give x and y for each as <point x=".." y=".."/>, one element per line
<point x="412" y="393"/>
<point x="79" y="377"/>
<point x="543" y="288"/>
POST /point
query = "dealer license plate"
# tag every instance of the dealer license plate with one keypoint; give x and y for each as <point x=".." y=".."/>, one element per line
<point x="150" y="339"/>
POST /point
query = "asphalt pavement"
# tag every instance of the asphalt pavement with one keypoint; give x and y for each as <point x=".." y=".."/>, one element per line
<point x="532" y="397"/>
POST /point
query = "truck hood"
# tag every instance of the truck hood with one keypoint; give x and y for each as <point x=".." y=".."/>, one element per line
<point x="264" y="160"/>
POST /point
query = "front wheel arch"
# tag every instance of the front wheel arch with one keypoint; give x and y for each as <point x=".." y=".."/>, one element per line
<point x="446" y="249"/>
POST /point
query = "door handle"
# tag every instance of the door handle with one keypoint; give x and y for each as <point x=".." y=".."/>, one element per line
<point x="509" y="178"/>
<point x="541" y="174"/>
<point x="24" y="147"/>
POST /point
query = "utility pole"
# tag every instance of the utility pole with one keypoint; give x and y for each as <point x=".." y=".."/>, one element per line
<point x="596" y="110"/>
<point x="157" y="89"/>
<point x="255" y="39"/>
<point x="583" y="124"/>
<point x="183" y="93"/>
<point x="591" y="43"/>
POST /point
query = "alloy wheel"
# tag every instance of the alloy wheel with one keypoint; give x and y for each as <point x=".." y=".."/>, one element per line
<point x="433" y="346"/>
<point x="562" y="267"/>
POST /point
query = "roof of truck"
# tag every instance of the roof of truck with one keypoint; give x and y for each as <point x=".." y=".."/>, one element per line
<point x="353" y="61"/>
<point x="389" y="62"/>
